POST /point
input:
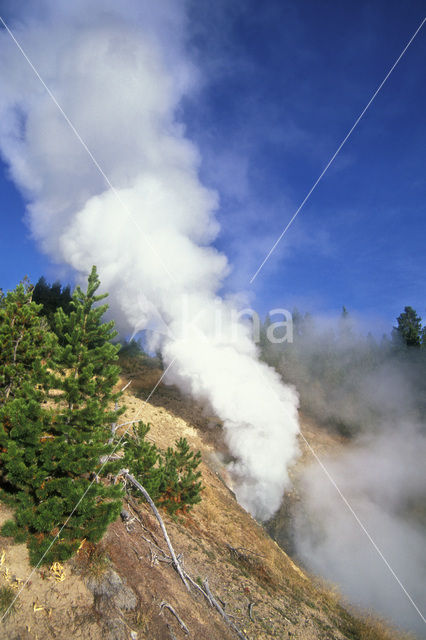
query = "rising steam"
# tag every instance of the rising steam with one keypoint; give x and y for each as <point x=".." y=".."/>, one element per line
<point x="383" y="477"/>
<point x="376" y="392"/>
<point x="119" y="71"/>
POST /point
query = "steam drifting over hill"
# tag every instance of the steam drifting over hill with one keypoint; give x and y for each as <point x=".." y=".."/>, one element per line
<point x="137" y="208"/>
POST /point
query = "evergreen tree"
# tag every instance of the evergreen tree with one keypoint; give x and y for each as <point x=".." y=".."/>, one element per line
<point x="52" y="297"/>
<point x="53" y="452"/>
<point x="180" y="481"/>
<point x="297" y="323"/>
<point x="409" y="329"/>
<point x="24" y="342"/>
<point x="345" y="327"/>
<point x="171" y="478"/>
<point x="55" y="429"/>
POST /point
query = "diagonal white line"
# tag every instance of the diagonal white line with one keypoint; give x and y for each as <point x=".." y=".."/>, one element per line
<point x="325" y="470"/>
<point x="123" y="204"/>
<point x="360" y="523"/>
<point x="82" y="498"/>
<point x="333" y="157"/>
<point x="89" y="152"/>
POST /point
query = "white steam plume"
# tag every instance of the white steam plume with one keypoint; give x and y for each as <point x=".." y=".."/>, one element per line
<point x="383" y="477"/>
<point x="119" y="72"/>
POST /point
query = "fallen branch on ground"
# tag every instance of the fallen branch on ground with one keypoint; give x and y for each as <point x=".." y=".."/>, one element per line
<point x="197" y="586"/>
<point x="138" y="517"/>
<point x="250" y="607"/>
<point x="224" y="615"/>
<point x="125" y="473"/>
<point x="238" y="551"/>
<point x="175" y="561"/>
<point x="170" y="608"/>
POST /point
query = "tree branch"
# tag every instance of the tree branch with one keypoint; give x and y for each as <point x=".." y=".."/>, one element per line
<point x="170" y="608"/>
<point x="225" y="616"/>
<point x="125" y="473"/>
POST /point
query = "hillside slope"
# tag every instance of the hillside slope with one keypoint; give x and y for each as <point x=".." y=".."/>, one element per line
<point x="123" y="587"/>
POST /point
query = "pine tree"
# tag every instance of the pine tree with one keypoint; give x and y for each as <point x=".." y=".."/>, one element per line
<point x="180" y="481"/>
<point x="57" y="394"/>
<point x="24" y="342"/>
<point x="171" y="478"/>
<point x="409" y="328"/>
<point x="56" y="451"/>
<point x="51" y="297"/>
<point x="144" y="460"/>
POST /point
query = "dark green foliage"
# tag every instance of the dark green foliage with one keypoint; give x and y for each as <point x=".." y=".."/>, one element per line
<point x="87" y="361"/>
<point x="56" y="399"/>
<point x="52" y="297"/>
<point x="180" y="486"/>
<point x="171" y="478"/>
<point x="143" y="458"/>
<point x="24" y="342"/>
<point x="49" y="454"/>
<point x="130" y="349"/>
<point x="409" y="329"/>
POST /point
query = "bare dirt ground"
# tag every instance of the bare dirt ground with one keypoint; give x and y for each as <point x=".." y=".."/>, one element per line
<point x="264" y="593"/>
<point x="46" y="605"/>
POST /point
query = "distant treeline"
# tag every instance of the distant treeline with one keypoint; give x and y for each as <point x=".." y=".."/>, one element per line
<point x="52" y="297"/>
<point x="351" y="381"/>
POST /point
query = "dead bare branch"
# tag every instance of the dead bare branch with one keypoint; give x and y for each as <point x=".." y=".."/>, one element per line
<point x="125" y="473"/>
<point x="197" y="586"/>
<point x="140" y="558"/>
<point x="165" y="605"/>
<point x="250" y="607"/>
<point x="238" y="551"/>
<point x="176" y="562"/>
<point x="127" y="385"/>
<point x="138" y="516"/>
<point x="224" y="615"/>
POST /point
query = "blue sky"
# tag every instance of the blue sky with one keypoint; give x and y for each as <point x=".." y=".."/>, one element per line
<point x="281" y="84"/>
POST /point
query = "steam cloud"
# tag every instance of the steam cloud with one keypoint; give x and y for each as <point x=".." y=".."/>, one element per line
<point x="120" y="72"/>
<point x="383" y="478"/>
<point x="377" y="393"/>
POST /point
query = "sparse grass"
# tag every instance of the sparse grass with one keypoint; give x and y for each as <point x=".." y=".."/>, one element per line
<point x="324" y="599"/>
<point x="356" y="624"/>
<point x="92" y="561"/>
<point x="7" y="596"/>
<point x="210" y="554"/>
<point x="143" y="619"/>
<point x="251" y="564"/>
<point x="367" y="628"/>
